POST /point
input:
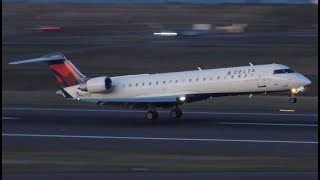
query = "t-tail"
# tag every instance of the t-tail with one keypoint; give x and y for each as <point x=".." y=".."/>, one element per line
<point x="64" y="71"/>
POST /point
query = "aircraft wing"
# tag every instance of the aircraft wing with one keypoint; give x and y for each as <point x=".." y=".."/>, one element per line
<point x="156" y="99"/>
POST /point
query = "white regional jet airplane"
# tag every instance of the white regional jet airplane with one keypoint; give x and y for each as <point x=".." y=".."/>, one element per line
<point x="150" y="91"/>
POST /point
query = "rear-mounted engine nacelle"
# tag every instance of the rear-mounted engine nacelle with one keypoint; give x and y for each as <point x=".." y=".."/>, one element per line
<point x="97" y="85"/>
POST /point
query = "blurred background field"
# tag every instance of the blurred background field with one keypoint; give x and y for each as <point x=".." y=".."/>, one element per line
<point x="117" y="39"/>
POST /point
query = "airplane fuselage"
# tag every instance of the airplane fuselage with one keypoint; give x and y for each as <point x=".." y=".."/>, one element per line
<point x="233" y="80"/>
<point x="170" y="89"/>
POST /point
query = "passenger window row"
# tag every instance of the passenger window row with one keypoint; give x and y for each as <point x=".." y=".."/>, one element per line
<point x="190" y="80"/>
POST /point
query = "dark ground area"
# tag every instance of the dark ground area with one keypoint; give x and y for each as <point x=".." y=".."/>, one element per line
<point x="169" y="176"/>
<point x="87" y="38"/>
<point x="106" y="18"/>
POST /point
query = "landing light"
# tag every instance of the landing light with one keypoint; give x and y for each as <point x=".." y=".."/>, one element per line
<point x="182" y="98"/>
<point x="294" y="90"/>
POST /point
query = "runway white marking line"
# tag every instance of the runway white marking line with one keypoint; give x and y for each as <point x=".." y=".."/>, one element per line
<point x="130" y="111"/>
<point x="158" y="138"/>
<point x="10" y="118"/>
<point x="269" y="124"/>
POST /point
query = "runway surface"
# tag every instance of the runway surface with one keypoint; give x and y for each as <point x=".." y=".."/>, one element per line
<point x="197" y="131"/>
<point x="204" y="131"/>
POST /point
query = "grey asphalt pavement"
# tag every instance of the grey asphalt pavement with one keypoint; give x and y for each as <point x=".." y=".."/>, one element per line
<point x="197" y="131"/>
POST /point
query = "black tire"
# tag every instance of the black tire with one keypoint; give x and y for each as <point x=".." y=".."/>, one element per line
<point x="156" y="115"/>
<point x="179" y="113"/>
<point x="152" y="115"/>
<point x="293" y="100"/>
<point x="175" y="113"/>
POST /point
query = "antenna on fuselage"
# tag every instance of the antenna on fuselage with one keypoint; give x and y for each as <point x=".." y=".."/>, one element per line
<point x="250" y="64"/>
<point x="199" y="68"/>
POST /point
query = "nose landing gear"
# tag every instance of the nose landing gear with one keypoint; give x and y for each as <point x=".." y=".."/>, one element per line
<point x="293" y="100"/>
<point x="152" y="114"/>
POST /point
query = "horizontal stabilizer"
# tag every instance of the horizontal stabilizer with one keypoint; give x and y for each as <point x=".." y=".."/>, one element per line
<point x="47" y="58"/>
<point x="63" y="70"/>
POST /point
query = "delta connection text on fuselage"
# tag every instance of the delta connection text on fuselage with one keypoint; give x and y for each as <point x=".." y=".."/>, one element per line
<point x="241" y="71"/>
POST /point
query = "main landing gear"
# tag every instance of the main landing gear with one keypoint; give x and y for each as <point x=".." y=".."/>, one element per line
<point x="152" y="114"/>
<point x="175" y="113"/>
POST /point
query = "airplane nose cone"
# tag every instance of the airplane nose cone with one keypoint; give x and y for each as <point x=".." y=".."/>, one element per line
<point x="306" y="81"/>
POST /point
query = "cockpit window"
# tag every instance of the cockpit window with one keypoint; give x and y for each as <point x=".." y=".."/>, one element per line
<point x="283" y="71"/>
<point x="289" y="71"/>
<point x="279" y="71"/>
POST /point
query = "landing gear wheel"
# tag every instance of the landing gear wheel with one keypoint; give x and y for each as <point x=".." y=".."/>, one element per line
<point x="176" y="114"/>
<point x="152" y="115"/>
<point x="293" y="100"/>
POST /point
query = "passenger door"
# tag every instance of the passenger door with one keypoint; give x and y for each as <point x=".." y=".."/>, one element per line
<point x="261" y="80"/>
